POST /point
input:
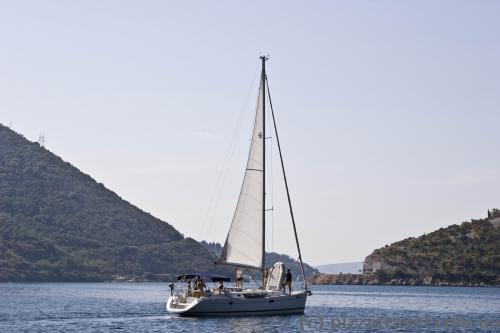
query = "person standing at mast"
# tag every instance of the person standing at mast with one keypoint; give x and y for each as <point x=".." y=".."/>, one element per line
<point x="266" y="277"/>
<point x="288" y="282"/>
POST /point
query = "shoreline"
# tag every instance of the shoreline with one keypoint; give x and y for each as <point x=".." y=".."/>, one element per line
<point x="433" y="280"/>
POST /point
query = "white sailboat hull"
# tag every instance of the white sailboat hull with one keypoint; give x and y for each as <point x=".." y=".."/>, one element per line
<point x="239" y="304"/>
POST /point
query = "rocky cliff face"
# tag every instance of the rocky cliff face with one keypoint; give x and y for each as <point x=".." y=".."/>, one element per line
<point x="374" y="263"/>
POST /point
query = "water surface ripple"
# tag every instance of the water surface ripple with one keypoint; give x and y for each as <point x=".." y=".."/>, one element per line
<point x="114" y="307"/>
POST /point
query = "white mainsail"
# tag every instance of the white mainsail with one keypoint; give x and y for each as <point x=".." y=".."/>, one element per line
<point x="243" y="246"/>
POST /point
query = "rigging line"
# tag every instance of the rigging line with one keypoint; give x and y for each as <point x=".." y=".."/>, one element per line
<point x="220" y="188"/>
<point x="271" y="183"/>
<point x="222" y="176"/>
<point x="253" y="280"/>
<point x="286" y="186"/>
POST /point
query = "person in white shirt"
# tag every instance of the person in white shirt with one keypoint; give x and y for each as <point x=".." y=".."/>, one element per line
<point x="239" y="278"/>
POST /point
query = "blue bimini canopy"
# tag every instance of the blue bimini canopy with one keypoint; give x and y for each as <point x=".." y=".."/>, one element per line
<point x="204" y="276"/>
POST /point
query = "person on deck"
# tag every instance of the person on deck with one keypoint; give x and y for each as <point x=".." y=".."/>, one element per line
<point x="201" y="284"/>
<point x="221" y="287"/>
<point x="239" y="278"/>
<point x="288" y="281"/>
<point x="266" y="276"/>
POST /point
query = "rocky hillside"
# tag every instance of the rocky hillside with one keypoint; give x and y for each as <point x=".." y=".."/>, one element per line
<point x="58" y="224"/>
<point x="468" y="253"/>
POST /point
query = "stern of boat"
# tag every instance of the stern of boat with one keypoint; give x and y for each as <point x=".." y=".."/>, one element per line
<point x="179" y="305"/>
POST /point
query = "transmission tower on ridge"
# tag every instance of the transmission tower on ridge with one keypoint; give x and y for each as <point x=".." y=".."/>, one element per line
<point x="41" y="140"/>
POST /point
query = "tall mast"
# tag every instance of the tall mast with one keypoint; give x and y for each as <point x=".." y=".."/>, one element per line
<point x="286" y="186"/>
<point x="263" y="84"/>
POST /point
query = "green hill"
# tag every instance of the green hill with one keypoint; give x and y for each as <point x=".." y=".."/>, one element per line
<point x="463" y="254"/>
<point x="58" y="224"/>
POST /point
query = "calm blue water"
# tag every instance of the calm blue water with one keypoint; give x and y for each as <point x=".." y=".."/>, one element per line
<point x="100" y="307"/>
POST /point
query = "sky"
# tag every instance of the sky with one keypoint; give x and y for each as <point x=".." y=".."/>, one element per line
<point x="388" y="111"/>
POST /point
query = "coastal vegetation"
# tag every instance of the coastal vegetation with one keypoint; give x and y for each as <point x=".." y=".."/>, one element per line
<point x="59" y="224"/>
<point x="467" y="254"/>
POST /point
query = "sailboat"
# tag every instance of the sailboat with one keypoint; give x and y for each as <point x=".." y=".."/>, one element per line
<point x="245" y="244"/>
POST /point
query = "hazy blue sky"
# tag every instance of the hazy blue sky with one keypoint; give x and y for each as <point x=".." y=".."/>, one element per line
<point x="389" y="111"/>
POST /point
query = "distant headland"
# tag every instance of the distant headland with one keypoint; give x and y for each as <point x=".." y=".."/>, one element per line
<point x="458" y="255"/>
